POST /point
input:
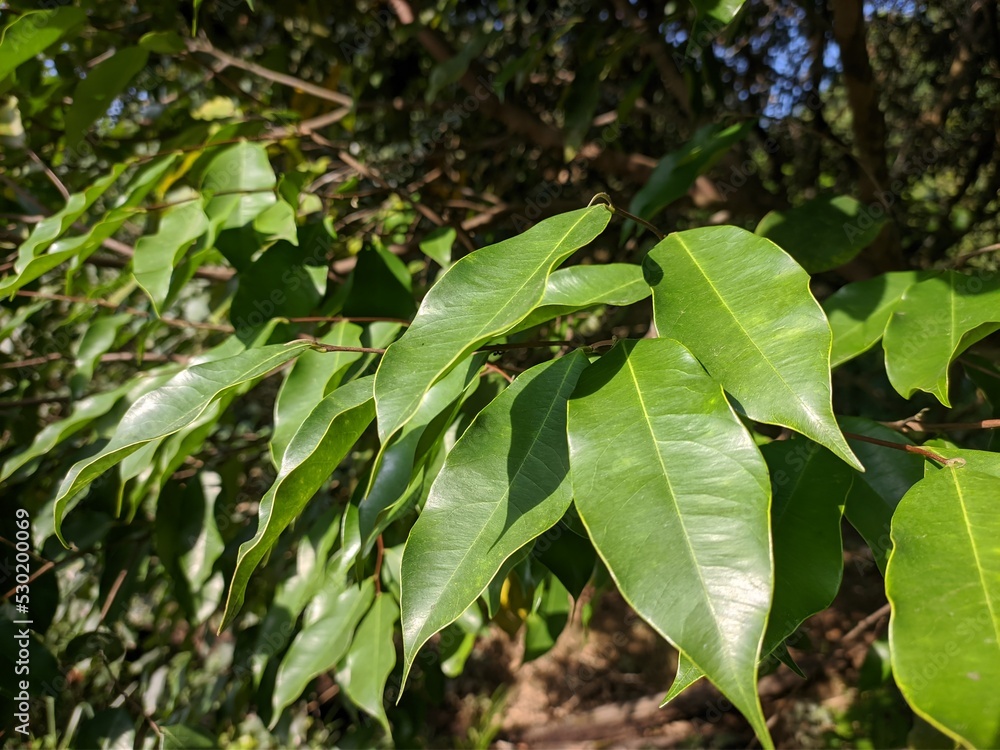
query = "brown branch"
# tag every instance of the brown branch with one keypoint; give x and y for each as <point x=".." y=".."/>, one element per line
<point x="50" y="174"/>
<point x="925" y="452"/>
<point x="961" y="259"/>
<point x="173" y="322"/>
<point x="866" y="623"/>
<point x="490" y="367"/>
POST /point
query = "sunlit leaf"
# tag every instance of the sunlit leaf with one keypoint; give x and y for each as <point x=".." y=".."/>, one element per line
<point x="370" y="659"/>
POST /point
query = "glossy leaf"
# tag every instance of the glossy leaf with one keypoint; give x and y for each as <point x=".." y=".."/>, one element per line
<point x="876" y="493"/>
<point x="393" y="467"/>
<point x="437" y="245"/>
<point x="823" y="233"/>
<point x="481" y="296"/>
<point x="32" y="33"/>
<point x="576" y="288"/>
<point x="321" y="643"/>
<point x="104" y="83"/>
<point x="242" y="181"/>
<point x="929" y="328"/>
<point x="310" y="379"/>
<point x="504" y="483"/>
<point x="168" y="409"/>
<point x="313" y="453"/>
<point x="686" y="675"/>
<point x="723" y="11"/>
<point x="677" y="171"/>
<point x="660" y="462"/>
<point x="370" y="659"/>
<point x="859" y="312"/>
<point x="943" y="581"/>
<point x="773" y="358"/>
<point x="157" y="254"/>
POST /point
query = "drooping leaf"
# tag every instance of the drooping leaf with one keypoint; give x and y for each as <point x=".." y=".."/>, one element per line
<point x="168" y="409"/>
<point x="313" y="453"/>
<point x="380" y="286"/>
<point x="569" y="556"/>
<point x="504" y="483"/>
<point x="859" y="312"/>
<point x="32" y="33"/>
<point x="660" y="462"/>
<point x="943" y="581"/>
<point x="547" y="618"/>
<point x="810" y="487"/>
<point x="687" y="674"/>
<point x="678" y="170"/>
<point x="370" y="659"/>
<point x="242" y="182"/>
<point x="929" y="328"/>
<point x="188" y="542"/>
<point x="157" y="254"/>
<point x="34" y="262"/>
<point x="95" y="93"/>
<point x="876" y="493"/>
<point x="576" y="288"/>
<point x="481" y="296"/>
<point x="774" y="357"/>
<point x="394" y="464"/>
<point x="95" y="342"/>
<point x="313" y="376"/>
<point x="823" y="233"/>
<point x="322" y="642"/>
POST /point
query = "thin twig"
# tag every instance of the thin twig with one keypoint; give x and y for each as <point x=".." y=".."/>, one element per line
<point x="926" y="453"/>
<point x="961" y="259"/>
<point x="866" y="623"/>
<point x="173" y="322"/>
<point x="500" y="371"/>
<point x="50" y="174"/>
<point x="380" y="551"/>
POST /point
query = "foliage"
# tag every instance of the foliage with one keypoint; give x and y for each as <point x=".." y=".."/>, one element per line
<point x="335" y="406"/>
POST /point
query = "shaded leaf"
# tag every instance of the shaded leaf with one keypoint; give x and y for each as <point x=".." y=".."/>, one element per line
<point x="311" y="378"/>
<point x="370" y="659"/>
<point x="823" y="233"/>
<point x="313" y="453"/>
<point x="929" y="328"/>
<point x="437" y="245"/>
<point x="943" y="581"/>
<point x="101" y="643"/>
<point x="721" y="10"/>
<point x="181" y="737"/>
<point x="33" y="32"/>
<point x="859" y="312"/>
<point x="504" y="483"/>
<point x="773" y="358"/>
<point x="481" y="296"/>
<point x="321" y="643"/>
<point x="547" y="619"/>
<point x="168" y="409"/>
<point x="660" y="462"/>
<point x="96" y="341"/>
<point x="95" y="93"/>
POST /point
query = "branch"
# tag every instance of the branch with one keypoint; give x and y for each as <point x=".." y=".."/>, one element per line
<point x="925" y="452"/>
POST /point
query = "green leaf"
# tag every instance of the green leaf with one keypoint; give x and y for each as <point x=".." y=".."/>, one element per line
<point x="393" y="466"/>
<point x="823" y="233"/>
<point x="33" y="262"/>
<point x="157" y="254"/>
<point x="313" y="453"/>
<point x="277" y="223"/>
<point x="687" y="674"/>
<point x="581" y="103"/>
<point x="101" y="643"/>
<point x="84" y="412"/>
<point x="370" y="660"/>
<point x="322" y="642"/>
<point x="481" y="296"/>
<point x="810" y="487"/>
<point x="162" y="42"/>
<point x="103" y="84"/>
<point x="49" y="229"/>
<point x="678" y="170"/>
<point x="569" y="556"/>
<point x="570" y="290"/>
<point x="875" y="494"/>
<point x="929" y="328"/>
<point x="943" y="581"/>
<point x="311" y="378"/>
<point x="96" y="341"/>
<point x="547" y="619"/>
<point x="437" y="245"/>
<point x="181" y="737"/>
<point x="744" y="308"/>
<point x="168" y="409"/>
<point x="660" y="462"/>
<point x="188" y="542"/>
<point x="859" y="312"/>
<point x="723" y="11"/>
<point x="380" y="286"/>
<point x="242" y="182"/>
<point x="504" y="483"/>
<point x="34" y="32"/>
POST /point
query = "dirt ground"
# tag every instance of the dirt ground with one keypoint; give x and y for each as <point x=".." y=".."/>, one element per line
<point x="602" y="687"/>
